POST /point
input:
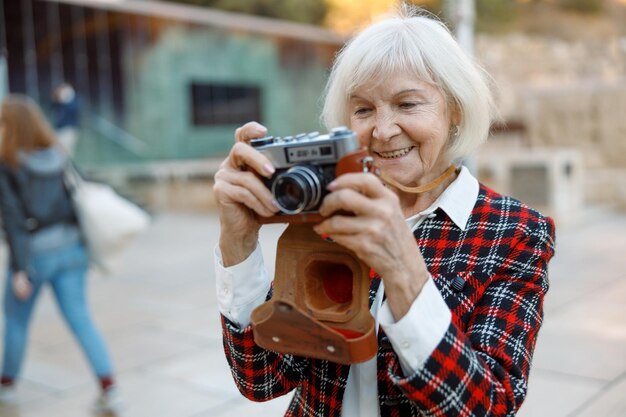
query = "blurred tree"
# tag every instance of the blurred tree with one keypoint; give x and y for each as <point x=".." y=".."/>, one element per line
<point x="349" y="15"/>
<point x="496" y="15"/>
<point x="303" y="11"/>
<point x="583" y="6"/>
<point x="492" y="16"/>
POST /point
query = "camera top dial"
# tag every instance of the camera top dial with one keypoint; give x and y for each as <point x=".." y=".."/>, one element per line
<point x="309" y="148"/>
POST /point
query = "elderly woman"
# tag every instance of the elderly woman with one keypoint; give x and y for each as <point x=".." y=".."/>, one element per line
<point x="462" y="270"/>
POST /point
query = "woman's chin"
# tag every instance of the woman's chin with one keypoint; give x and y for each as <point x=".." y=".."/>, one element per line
<point x="402" y="174"/>
<point x="401" y="165"/>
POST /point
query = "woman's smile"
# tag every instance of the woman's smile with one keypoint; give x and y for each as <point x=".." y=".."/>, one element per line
<point x="398" y="153"/>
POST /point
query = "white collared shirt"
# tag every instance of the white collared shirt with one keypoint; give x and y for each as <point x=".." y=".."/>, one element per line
<point x="243" y="287"/>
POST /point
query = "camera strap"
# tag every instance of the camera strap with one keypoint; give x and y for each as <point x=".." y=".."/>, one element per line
<point x="361" y="161"/>
<point x="422" y="188"/>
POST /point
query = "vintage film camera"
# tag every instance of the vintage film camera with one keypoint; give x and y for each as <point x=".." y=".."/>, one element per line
<point x="305" y="164"/>
<point x="319" y="306"/>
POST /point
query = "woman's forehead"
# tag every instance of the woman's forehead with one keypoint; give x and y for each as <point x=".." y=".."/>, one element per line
<point x="399" y="80"/>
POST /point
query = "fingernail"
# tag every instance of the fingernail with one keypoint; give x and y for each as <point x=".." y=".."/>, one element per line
<point x="331" y="185"/>
<point x="327" y="238"/>
<point x="275" y="203"/>
<point x="269" y="169"/>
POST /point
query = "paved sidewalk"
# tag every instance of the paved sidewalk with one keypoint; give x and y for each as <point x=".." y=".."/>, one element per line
<point x="160" y="320"/>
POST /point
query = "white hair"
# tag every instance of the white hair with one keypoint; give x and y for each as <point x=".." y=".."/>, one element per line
<point x="415" y="44"/>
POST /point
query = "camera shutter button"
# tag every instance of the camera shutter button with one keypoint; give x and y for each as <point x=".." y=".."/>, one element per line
<point x="255" y="143"/>
<point x="339" y="130"/>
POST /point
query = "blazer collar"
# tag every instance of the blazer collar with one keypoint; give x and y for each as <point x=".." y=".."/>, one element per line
<point x="458" y="199"/>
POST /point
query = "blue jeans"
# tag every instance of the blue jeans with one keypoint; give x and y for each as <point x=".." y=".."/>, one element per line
<point x="65" y="270"/>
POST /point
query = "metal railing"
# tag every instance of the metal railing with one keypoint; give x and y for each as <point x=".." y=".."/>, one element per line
<point x="114" y="133"/>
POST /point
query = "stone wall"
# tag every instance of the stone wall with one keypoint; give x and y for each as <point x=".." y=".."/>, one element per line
<point x="521" y="62"/>
<point x="566" y="95"/>
<point x="591" y="117"/>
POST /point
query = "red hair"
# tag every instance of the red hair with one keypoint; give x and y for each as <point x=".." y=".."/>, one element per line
<point x="25" y="128"/>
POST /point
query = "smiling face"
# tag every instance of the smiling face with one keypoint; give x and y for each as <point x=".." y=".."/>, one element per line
<point x="405" y="123"/>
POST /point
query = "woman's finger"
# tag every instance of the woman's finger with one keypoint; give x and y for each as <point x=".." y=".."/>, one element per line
<point x="367" y="184"/>
<point x="249" y="131"/>
<point x="369" y="247"/>
<point x="231" y="193"/>
<point x="349" y="200"/>
<point x="345" y="225"/>
<point x="225" y="179"/>
<point x="243" y="156"/>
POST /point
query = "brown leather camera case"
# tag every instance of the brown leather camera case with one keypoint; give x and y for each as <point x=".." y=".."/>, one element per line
<point x="319" y="308"/>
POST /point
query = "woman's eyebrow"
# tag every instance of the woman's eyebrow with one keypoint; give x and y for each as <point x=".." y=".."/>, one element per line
<point x="399" y="93"/>
<point x="408" y="91"/>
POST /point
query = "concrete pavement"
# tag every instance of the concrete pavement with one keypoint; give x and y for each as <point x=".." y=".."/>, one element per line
<point x="159" y="317"/>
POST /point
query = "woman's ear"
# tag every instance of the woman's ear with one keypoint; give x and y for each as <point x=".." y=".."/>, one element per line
<point x="456" y="117"/>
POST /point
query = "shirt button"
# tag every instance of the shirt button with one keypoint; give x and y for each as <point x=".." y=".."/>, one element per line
<point x="225" y="290"/>
<point x="458" y="283"/>
<point x="385" y="343"/>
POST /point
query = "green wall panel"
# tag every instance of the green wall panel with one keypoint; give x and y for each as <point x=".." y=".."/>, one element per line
<point x="158" y="80"/>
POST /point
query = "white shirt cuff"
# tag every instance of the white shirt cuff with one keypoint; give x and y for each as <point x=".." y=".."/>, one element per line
<point x="241" y="288"/>
<point x="416" y="335"/>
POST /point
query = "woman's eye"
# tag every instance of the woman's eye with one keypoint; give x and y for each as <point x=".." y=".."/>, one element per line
<point x="361" y="111"/>
<point x="408" y="105"/>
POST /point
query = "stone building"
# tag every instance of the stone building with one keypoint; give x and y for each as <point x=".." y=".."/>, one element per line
<point x="162" y="82"/>
<point x="562" y="105"/>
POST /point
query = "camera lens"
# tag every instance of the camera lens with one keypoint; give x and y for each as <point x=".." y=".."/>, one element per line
<point x="298" y="189"/>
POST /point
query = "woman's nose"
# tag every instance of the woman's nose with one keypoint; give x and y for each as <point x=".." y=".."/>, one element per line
<point x="385" y="126"/>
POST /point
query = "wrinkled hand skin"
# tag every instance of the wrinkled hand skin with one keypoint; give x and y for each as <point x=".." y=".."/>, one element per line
<point x="241" y="196"/>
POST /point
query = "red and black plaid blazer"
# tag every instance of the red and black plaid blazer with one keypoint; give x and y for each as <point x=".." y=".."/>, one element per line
<point x="493" y="276"/>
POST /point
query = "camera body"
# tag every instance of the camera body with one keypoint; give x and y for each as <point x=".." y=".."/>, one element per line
<point x="305" y="164"/>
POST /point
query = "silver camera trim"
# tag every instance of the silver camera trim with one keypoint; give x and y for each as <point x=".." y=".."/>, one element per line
<point x="317" y="151"/>
<point x="312" y="181"/>
<point x="342" y="140"/>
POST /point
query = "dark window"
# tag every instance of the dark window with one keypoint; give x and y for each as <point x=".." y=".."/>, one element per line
<point x="214" y="104"/>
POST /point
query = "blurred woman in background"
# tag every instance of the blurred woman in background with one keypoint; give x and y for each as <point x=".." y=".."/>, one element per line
<point x="45" y="245"/>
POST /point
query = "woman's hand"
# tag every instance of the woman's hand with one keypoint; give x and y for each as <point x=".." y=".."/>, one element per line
<point x="377" y="234"/>
<point x="22" y="287"/>
<point x="241" y="196"/>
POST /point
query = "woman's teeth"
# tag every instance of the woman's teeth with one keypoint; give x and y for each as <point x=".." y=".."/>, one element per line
<point x="395" y="154"/>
